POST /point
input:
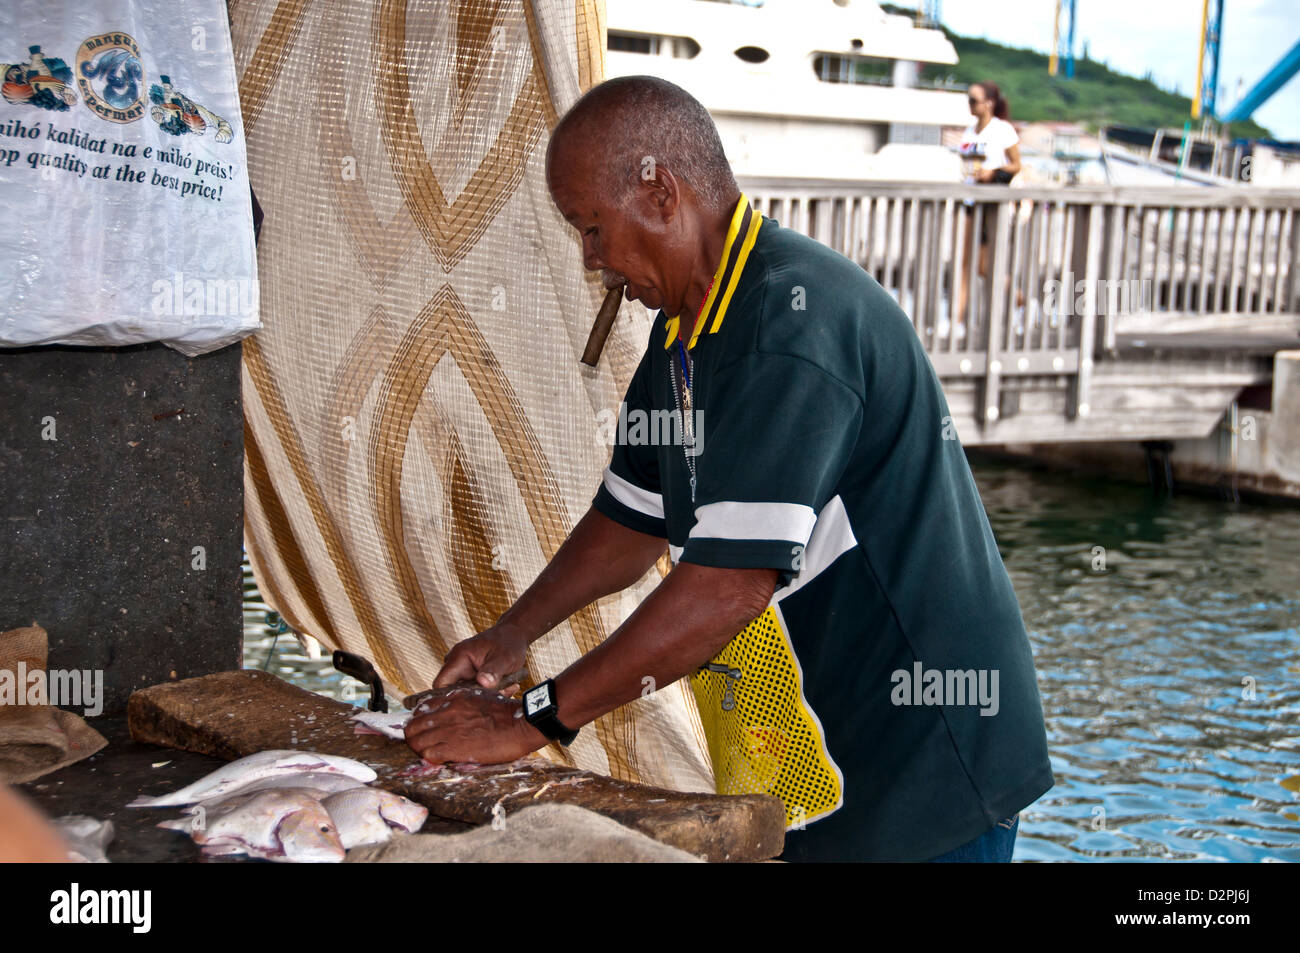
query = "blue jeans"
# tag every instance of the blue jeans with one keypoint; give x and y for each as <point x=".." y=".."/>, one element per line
<point x="994" y="846"/>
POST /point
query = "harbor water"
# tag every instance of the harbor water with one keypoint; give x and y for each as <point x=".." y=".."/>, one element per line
<point x="1166" y="635"/>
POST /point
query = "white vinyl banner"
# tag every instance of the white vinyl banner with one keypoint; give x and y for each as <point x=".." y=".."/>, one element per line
<point x="123" y="178"/>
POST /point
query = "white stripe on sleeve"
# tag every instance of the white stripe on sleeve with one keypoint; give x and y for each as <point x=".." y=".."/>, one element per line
<point x="831" y="538"/>
<point x="731" y="520"/>
<point x="633" y="496"/>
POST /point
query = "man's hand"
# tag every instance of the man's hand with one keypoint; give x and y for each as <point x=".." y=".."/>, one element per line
<point x="485" y="658"/>
<point x="472" y="724"/>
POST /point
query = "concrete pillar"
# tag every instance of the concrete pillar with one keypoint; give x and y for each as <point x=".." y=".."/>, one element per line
<point x="1282" y="454"/>
<point x="121" y="517"/>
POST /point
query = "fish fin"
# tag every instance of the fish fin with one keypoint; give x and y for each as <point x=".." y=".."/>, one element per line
<point x="226" y="849"/>
<point x="399" y="823"/>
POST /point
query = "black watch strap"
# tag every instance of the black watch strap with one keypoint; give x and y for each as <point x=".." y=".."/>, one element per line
<point x="539" y="709"/>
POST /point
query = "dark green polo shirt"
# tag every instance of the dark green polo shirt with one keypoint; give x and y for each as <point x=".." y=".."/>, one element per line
<point x="887" y="695"/>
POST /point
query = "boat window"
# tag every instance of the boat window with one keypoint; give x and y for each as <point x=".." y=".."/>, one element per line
<point x="753" y="54"/>
<point x="851" y="68"/>
<point x="684" y="48"/>
<point x="649" y="44"/>
<point x="938" y="76"/>
<point x="631" y="43"/>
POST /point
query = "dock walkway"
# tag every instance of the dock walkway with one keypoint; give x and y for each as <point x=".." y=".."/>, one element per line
<point x="1132" y="313"/>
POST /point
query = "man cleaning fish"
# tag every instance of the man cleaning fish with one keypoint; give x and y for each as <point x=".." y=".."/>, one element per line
<point x="837" y="597"/>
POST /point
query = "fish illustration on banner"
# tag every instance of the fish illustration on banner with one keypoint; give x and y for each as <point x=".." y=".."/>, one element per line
<point x="176" y="113"/>
<point x="43" y="81"/>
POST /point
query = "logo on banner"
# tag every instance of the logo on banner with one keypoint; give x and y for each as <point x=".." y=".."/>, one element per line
<point x="111" y="77"/>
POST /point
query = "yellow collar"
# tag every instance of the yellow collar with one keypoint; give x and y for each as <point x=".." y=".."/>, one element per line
<point x="741" y="234"/>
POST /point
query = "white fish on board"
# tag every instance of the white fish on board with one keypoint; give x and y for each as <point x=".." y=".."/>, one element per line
<point x="220" y="806"/>
<point x="317" y="784"/>
<point x="265" y="764"/>
<point x="279" y="825"/>
<point x="390" y="725"/>
<point x="368" y="815"/>
<point x="87" y="837"/>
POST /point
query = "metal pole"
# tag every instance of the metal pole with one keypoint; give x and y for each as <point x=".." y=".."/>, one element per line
<point x="1069" y="40"/>
<point x="1200" y="61"/>
<point x="1052" y="63"/>
<point x="1216" y="36"/>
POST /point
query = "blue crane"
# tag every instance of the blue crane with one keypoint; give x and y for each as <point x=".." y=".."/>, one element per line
<point x="1207" y="68"/>
<point x="1273" y="80"/>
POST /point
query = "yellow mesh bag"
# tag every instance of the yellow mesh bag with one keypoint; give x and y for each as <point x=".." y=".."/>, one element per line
<point x="763" y="737"/>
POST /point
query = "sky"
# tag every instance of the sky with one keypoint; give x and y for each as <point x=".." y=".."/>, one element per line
<point x="1162" y="36"/>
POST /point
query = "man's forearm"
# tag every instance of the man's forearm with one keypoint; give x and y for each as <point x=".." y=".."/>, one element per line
<point x="600" y="557"/>
<point x="686" y="621"/>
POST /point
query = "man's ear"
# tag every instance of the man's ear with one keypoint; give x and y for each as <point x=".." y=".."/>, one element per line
<point x="667" y="194"/>
<point x="659" y="188"/>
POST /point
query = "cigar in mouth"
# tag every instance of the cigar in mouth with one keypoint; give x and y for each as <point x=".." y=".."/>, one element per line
<point x="603" y="325"/>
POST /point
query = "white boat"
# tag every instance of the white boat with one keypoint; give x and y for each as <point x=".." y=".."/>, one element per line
<point x="812" y="88"/>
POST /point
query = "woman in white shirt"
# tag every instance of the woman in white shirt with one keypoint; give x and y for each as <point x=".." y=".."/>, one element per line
<point x="991" y="150"/>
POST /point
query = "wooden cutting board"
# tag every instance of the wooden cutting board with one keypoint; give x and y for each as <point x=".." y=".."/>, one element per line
<point x="235" y="714"/>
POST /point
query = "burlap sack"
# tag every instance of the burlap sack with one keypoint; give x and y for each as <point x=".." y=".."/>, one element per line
<point x="547" y="833"/>
<point x="36" y="739"/>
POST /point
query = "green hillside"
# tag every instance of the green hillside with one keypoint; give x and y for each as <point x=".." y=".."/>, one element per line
<point x="1097" y="95"/>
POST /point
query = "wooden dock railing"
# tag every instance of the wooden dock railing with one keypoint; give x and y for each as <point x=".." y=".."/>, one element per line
<point x="1069" y="274"/>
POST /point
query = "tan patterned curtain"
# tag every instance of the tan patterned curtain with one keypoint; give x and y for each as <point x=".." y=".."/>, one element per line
<point x="420" y="436"/>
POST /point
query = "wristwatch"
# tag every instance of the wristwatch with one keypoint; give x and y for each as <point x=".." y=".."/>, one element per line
<point x="540" y="708"/>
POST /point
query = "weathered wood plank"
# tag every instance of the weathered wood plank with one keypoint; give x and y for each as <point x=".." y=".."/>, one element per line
<point x="1246" y="324"/>
<point x="1166" y="196"/>
<point x="976" y="295"/>
<point x="1210" y="264"/>
<point x="1286" y="223"/>
<point x="234" y="714"/>
<point x="997" y="297"/>
<point x="960" y="223"/>
<point x="1034" y="285"/>
<point x="1081" y="405"/>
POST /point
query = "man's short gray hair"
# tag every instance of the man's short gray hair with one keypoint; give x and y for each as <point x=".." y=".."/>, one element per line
<point x="641" y="122"/>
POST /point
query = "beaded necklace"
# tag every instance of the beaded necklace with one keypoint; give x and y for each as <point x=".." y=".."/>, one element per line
<point x="682" y="393"/>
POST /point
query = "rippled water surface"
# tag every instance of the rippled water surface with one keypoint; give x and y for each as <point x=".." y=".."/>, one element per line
<point x="1168" y="663"/>
<point x="1167" y="639"/>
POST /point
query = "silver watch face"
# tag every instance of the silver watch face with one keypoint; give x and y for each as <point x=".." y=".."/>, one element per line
<point x="537" y="699"/>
